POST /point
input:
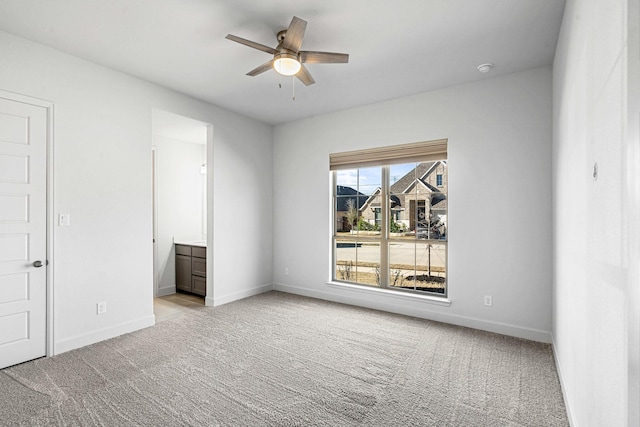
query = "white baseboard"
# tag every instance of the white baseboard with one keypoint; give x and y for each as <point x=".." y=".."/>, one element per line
<point x="567" y="401"/>
<point x="224" y="299"/>
<point x="394" y="305"/>
<point x="103" y="334"/>
<point x="168" y="290"/>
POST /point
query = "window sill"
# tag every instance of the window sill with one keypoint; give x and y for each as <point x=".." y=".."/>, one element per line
<point x="396" y="294"/>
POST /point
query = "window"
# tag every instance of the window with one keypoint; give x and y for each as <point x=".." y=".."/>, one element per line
<point x="377" y="213"/>
<point x="391" y="219"/>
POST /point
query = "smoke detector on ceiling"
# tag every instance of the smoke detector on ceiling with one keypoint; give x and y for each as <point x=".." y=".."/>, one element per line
<point x="485" y="68"/>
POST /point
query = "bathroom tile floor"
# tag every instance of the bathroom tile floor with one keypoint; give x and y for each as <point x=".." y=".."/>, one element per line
<point x="175" y="305"/>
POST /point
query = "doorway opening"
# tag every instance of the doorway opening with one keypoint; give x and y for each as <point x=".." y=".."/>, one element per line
<point x="181" y="195"/>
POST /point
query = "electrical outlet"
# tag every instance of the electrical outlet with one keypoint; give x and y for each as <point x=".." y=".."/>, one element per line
<point x="102" y="307"/>
<point x="286" y="271"/>
<point x="488" y="300"/>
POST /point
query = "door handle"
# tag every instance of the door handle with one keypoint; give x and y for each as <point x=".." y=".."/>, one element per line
<point x="37" y="264"/>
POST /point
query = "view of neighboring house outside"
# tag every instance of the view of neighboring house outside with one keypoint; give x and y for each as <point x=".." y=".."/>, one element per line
<point x="418" y="202"/>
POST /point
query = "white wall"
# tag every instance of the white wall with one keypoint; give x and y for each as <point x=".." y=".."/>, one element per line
<point x="180" y="202"/>
<point x="102" y="178"/>
<point x="499" y="133"/>
<point x="596" y="227"/>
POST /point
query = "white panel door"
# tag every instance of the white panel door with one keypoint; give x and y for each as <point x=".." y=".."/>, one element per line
<point x="23" y="226"/>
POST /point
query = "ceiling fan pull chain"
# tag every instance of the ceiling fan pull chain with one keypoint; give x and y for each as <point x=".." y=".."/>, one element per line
<point x="293" y="88"/>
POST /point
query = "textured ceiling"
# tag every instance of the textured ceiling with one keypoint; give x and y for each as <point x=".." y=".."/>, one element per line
<point x="396" y="48"/>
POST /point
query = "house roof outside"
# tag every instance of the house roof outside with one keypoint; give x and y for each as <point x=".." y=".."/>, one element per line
<point x="395" y="200"/>
<point x="440" y="205"/>
<point x="343" y="192"/>
<point x="416" y="176"/>
<point x="401" y="185"/>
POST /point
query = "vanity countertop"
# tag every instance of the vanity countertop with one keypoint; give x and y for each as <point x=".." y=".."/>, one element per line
<point x="201" y="243"/>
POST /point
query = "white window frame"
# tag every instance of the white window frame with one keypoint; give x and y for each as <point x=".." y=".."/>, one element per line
<point x="407" y="153"/>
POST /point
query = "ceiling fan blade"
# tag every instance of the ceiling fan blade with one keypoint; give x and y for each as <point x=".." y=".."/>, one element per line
<point x="310" y="57"/>
<point x="305" y="77"/>
<point x="261" y="69"/>
<point x="251" y="44"/>
<point x="295" y="34"/>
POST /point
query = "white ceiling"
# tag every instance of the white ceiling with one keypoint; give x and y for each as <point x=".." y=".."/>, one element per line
<point x="396" y="48"/>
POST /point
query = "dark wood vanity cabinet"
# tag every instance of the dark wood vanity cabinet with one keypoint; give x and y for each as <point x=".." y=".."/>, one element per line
<point x="183" y="273"/>
<point x="191" y="269"/>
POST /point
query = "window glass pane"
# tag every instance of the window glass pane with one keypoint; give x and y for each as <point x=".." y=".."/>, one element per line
<point x="346" y="260"/>
<point x="345" y="213"/>
<point x="401" y="174"/>
<point x="439" y="202"/>
<point x="431" y="263"/>
<point x="368" y="267"/>
<point x="357" y="195"/>
<point x="369" y="189"/>
<point x="369" y="180"/>
<point x="438" y="227"/>
<point x="401" y="189"/>
<point x="432" y="226"/>
<point x="357" y="262"/>
<point x="417" y="266"/>
<point x="347" y="178"/>
<point x="370" y="217"/>
<point x="402" y="258"/>
<point x="418" y="199"/>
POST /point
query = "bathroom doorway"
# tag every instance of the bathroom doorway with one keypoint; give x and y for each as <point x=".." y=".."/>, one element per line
<point x="180" y="195"/>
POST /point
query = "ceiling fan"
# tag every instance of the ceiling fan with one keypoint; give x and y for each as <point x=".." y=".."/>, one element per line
<point x="288" y="59"/>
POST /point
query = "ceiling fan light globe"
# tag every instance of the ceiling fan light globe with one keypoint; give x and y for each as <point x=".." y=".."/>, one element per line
<point x="287" y="65"/>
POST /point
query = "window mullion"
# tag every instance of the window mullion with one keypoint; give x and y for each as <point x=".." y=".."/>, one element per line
<point x="384" y="228"/>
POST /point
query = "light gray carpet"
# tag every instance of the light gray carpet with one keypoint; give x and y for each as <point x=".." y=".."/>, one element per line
<point x="284" y="360"/>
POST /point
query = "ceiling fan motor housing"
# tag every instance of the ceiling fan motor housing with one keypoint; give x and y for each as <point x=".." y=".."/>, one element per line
<point x="281" y="35"/>
<point x="286" y="53"/>
<point x="283" y="52"/>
